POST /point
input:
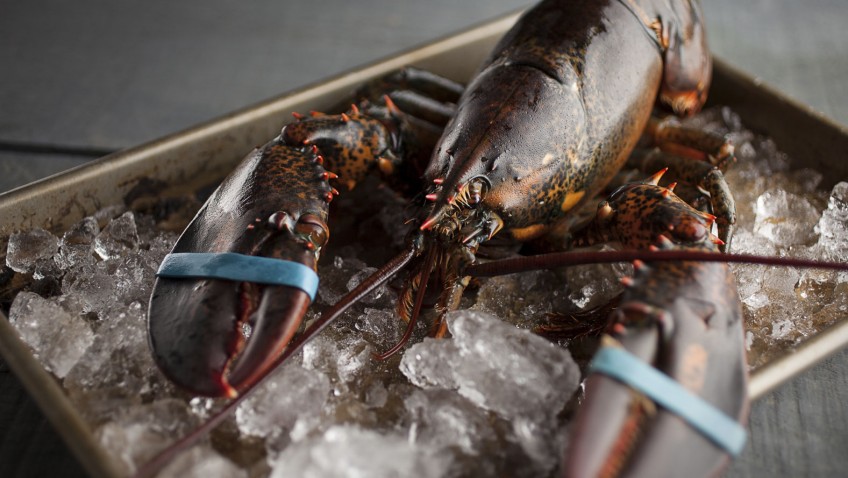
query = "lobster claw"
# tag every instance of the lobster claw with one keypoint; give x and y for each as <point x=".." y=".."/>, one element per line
<point x="236" y="286"/>
<point x="621" y="430"/>
<point x="667" y="392"/>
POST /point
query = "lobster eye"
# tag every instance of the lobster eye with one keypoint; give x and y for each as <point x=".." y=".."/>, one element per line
<point x="313" y="227"/>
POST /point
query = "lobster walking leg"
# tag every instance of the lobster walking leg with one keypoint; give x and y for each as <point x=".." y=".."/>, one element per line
<point x="695" y="157"/>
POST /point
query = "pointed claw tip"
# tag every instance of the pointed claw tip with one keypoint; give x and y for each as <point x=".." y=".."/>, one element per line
<point x="345" y="118"/>
<point x="655" y="178"/>
<point x="431" y="197"/>
<point x="672" y="186"/>
<point x="297" y="115"/>
<point x="438" y="180"/>
<point x="638" y="264"/>
<point x="229" y="391"/>
<point x="354" y="109"/>
<point x="627" y="281"/>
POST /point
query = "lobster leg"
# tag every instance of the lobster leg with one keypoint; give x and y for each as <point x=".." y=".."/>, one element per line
<point x="413" y="80"/>
<point x="701" y="170"/>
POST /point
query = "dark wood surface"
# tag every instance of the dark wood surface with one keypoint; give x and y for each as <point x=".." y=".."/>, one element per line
<point x="79" y="79"/>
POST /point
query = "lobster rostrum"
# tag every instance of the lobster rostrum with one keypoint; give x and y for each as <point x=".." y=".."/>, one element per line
<point x="545" y="125"/>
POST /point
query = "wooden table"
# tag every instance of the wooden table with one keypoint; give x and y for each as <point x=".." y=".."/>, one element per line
<point x="80" y="79"/>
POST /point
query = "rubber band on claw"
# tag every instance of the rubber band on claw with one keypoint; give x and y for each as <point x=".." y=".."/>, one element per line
<point x="699" y="414"/>
<point x="239" y="268"/>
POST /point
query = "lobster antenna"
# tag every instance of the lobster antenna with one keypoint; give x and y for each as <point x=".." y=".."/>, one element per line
<point x="560" y="259"/>
<point x="416" y="310"/>
<point x="155" y="464"/>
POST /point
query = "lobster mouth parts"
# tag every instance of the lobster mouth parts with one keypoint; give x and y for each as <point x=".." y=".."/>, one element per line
<point x="447" y="246"/>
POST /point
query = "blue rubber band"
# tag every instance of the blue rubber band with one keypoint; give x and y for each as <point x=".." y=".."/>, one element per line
<point x="621" y="365"/>
<point x="240" y="268"/>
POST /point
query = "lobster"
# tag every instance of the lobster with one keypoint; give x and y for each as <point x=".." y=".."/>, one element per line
<point x="552" y="115"/>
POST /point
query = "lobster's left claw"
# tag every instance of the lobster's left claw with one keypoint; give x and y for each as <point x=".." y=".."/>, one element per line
<point x="203" y="344"/>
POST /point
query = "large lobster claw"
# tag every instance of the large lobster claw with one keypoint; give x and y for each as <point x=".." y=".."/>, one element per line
<point x="214" y="336"/>
<point x="674" y="350"/>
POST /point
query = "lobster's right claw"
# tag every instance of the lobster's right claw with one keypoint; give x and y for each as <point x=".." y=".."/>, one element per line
<point x="656" y="369"/>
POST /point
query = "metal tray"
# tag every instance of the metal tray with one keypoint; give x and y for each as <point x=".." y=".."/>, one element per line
<point x="206" y="153"/>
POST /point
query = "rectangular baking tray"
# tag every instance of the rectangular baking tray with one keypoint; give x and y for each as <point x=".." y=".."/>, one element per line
<point x="206" y="153"/>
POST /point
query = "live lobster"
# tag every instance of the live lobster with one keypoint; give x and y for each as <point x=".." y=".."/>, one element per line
<point x="550" y="118"/>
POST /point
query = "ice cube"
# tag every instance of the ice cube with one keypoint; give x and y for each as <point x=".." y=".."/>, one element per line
<point x="142" y="431"/>
<point x="343" y="361"/>
<point x="117" y="369"/>
<point x="833" y="226"/>
<point x="442" y="418"/>
<point x="380" y="327"/>
<point x="291" y="394"/>
<point x="785" y="218"/>
<point x="93" y="285"/>
<point x="497" y="366"/>
<point x="425" y="363"/>
<point x="523" y="299"/>
<point x="202" y="462"/>
<point x="593" y="285"/>
<point x="347" y="451"/>
<point x="31" y="252"/>
<point x="57" y="337"/>
<point x="119" y="236"/>
<point x="335" y="278"/>
<point x="76" y="245"/>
